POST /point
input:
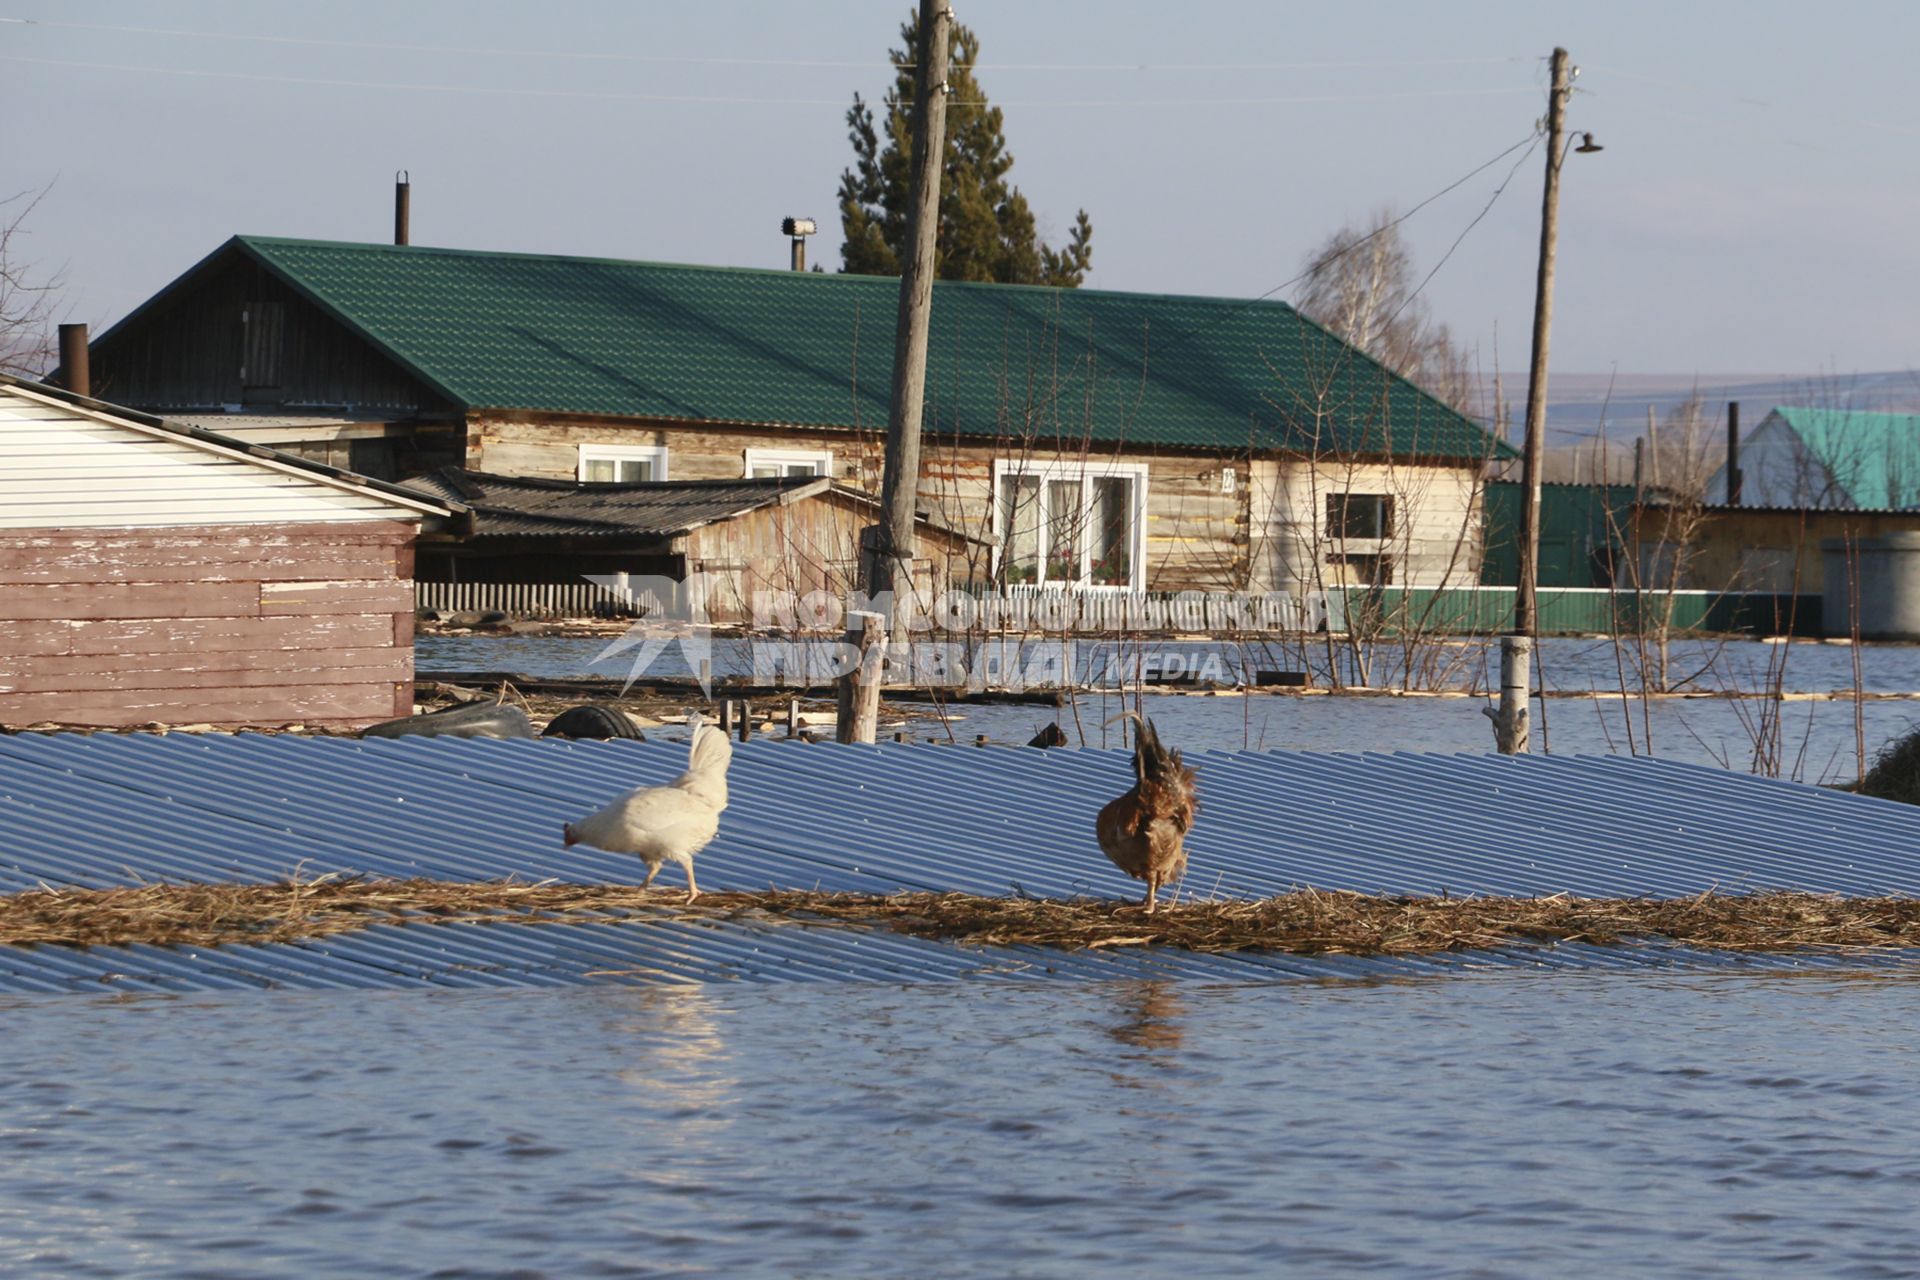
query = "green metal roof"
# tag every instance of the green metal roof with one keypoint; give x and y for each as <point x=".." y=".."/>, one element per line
<point x="1875" y="457"/>
<point x="592" y="335"/>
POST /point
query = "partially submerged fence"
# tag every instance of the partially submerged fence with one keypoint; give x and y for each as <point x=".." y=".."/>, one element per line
<point x="1391" y="611"/>
<point x="1022" y="610"/>
<point x="1104" y="612"/>
<point x="1385" y="611"/>
<point x="544" y="600"/>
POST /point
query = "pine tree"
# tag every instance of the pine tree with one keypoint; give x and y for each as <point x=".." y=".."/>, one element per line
<point x="987" y="230"/>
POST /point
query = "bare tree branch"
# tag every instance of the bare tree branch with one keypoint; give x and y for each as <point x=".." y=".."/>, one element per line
<point x="27" y="297"/>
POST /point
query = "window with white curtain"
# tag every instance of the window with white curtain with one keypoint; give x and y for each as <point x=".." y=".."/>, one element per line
<point x="622" y="463"/>
<point x="1070" y="523"/>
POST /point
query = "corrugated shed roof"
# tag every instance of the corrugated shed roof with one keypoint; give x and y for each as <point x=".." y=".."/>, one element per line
<point x="521" y="506"/>
<point x="292" y="424"/>
<point x="642" y="339"/>
<point x="124" y="809"/>
<point x="656" y="508"/>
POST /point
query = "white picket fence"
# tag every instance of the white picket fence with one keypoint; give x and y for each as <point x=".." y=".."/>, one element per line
<point x="1017" y="610"/>
<point x="1055" y="609"/>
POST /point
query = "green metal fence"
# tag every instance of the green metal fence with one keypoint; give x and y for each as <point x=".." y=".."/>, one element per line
<point x="1581" y="528"/>
<point x="1570" y="611"/>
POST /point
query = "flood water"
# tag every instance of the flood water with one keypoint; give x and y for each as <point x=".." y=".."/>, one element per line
<point x="1564" y="663"/>
<point x="1490" y="1125"/>
<point x="1486" y="1126"/>
<point x="1815" y="740"/>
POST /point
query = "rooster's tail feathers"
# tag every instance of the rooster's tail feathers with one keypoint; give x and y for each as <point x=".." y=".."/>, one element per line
<point x="1154" y="760"/>
<point x="710" y="753"/>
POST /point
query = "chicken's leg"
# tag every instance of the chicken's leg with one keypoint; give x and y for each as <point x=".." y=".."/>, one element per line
<point x="693" y="890"/>
<point x="653" y="869"/>
<point x="1153" y="891"/>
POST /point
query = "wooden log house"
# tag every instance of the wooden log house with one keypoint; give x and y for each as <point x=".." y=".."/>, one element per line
<point x="1086" y="439"/>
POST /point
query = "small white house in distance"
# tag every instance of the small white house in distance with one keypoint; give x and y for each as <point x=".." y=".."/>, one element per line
<point x="1826" y="460"/>
<point x="154" y="572"/>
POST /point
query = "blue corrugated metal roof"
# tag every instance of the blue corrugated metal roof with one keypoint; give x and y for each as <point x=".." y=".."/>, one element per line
<point x="111" y="809"/>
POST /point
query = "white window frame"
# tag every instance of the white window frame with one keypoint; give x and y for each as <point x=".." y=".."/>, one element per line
<point x="654" y="453"/>
<point x="1048" y="470"/>
<point x="821" y="460"/>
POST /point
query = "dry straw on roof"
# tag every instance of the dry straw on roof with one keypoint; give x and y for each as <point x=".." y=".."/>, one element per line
<point x="1306" y="922"/>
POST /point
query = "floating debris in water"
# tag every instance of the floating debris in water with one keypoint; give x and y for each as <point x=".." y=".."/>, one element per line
<point x="1304" y="922"/>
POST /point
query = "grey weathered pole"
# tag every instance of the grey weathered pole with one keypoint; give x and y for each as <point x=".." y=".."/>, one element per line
<point x="1653" y="443"/>
<point x="1510" y="728"/>
<point x="886" y="558"/>
<point x="900" y="481"/>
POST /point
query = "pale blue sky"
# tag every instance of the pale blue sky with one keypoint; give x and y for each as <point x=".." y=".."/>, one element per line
<point x="1754" y="209"/>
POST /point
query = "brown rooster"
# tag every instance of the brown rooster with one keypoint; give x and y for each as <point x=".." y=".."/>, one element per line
<point x="1144" y="829"/>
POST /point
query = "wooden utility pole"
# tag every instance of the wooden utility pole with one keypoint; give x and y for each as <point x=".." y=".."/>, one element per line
<point x="1653" y="443"/>
<point x="1510" y="727"/>
<point x="887" y="552"/>
<point x="857" y="707"/>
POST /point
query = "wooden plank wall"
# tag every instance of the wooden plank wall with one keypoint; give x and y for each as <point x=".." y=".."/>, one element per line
<point x="191" y="349"/>
<point x="230" y="626"/>
<point x="802" y="547"/>
<point x="1197" y="532"/>
<point x="1759" y="550"/>
<point x="548" y="446"/>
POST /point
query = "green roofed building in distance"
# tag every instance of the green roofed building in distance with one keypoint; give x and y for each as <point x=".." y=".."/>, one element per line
<point x="1088" y="438"/>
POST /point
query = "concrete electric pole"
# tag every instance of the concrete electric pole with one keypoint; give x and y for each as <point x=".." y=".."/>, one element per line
<point x="1510" y="725"/>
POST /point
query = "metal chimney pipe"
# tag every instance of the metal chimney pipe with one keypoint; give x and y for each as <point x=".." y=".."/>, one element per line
<point x="74" y="371"/>
<point x="1733" y="453"/>
<point x="799" y="229"/>
<point x="402" y="206"/>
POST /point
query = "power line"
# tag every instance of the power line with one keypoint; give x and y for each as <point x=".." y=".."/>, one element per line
<point x="512" y="91"/>
<point x="1721" y="95"/>
<point x="509" y="91"/>
<point x="1530" y="141"/>
<point x="663" y="60"/>
<point x="1485" y="210"/>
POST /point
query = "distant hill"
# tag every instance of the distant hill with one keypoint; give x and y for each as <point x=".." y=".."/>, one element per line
<point x="1581" y="405"/>
<point x="1594" y="418"/>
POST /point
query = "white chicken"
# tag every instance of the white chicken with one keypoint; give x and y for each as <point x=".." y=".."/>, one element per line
<point x="670" y="823"/>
